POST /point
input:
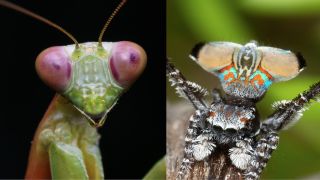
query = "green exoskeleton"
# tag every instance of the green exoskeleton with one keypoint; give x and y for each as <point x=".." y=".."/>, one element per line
<point x="88" y="78"/>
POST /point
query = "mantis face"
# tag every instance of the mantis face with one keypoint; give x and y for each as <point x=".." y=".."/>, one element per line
<point x="92" y="76"/>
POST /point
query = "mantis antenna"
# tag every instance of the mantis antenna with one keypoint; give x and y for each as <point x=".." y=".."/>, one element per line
<point x="38" y="17"/>
<point x="109" y="20"/>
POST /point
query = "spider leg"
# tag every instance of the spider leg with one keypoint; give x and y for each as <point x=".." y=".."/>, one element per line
<point x="203" y="145"/>
<point x="291" y="111"/>
<point x="266" y="144"/>
<point x="242" y="154"/>
<point x="216" y="95"/>
<point x="198" y="144"/>
<point x="286" y="113"/>
<point x="190" y="90"/>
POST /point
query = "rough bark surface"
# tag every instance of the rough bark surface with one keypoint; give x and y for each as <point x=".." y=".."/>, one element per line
<point x="216" y="166"/>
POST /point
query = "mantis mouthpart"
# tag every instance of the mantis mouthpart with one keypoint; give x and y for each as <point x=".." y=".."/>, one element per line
<point x="88" y="78"/>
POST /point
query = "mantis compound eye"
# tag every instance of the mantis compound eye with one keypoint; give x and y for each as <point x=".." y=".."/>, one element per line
<point x="127" y="62"/>
<point x="54" y="67"/>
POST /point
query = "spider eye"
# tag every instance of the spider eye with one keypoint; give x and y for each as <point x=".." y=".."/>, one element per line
<point x="53" y="65"/>
<point x="127" y="62"/>
<point x="215" y="55"/>
<point x="282" y="65"/>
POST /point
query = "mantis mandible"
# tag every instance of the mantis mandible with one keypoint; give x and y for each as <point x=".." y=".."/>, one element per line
<point x="88" y="78"/>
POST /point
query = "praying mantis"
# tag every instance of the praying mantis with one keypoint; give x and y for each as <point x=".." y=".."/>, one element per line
<point x="75" y="113"/>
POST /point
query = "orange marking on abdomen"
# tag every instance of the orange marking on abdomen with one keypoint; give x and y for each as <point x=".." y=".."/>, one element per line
<point x="259" y="79"/>
<point x="229" y="75"/>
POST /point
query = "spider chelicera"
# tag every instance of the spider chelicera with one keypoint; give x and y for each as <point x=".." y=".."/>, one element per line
<point x="231" y="121"/>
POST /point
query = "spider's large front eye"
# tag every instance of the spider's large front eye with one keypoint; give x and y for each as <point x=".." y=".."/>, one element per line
<point x="54" y="67"/>
<point x="127" y="62"/>
<point x="214" y="56"/>
<point x="282" y="65"/>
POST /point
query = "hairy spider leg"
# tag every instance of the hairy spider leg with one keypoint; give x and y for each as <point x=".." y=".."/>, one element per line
<point x="192" y="142"/>
<point x="291" y="111"/>
<point x="216" y="95"/>
<point x="263" y="149"/>
<point x="242" y="154"/>
<point x="194" y="93"/>
<point x="189" y="90"/>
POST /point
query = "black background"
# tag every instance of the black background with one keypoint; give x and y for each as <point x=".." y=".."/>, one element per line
<point x="133" y="138"/>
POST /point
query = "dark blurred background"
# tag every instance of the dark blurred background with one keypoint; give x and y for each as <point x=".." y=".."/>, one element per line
<point x="133" y="137"/>
<point x="286" y="24"/>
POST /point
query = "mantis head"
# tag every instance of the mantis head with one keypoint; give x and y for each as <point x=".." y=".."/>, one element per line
<point x="91" y="75"/>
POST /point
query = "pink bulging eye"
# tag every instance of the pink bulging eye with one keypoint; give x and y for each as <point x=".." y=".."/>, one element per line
<point x="127" y="62"/>
<point x="53" y="65"/>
